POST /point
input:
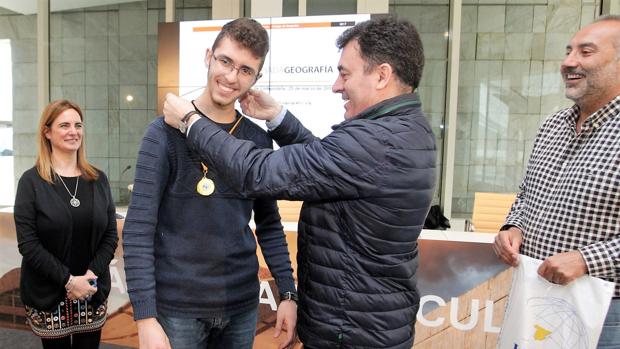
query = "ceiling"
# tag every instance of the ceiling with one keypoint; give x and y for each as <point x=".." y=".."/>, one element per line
<point x="28" y="7"/>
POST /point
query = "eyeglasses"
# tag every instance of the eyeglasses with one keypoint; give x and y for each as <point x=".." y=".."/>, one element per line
<point x="226" y="64"/>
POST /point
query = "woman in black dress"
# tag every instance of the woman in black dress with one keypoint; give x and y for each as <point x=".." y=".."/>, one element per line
<point x="66" y="233"/>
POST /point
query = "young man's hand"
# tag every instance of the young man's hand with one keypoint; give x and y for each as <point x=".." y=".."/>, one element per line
<point x="151" y="335"/>
<point x="287" y="316"/>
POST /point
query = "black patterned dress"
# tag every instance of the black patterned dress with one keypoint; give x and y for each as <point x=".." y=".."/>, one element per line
<point x="72" y="316"/>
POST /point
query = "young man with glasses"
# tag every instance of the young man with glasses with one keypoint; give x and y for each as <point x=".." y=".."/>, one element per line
<point x="190" y="256"/>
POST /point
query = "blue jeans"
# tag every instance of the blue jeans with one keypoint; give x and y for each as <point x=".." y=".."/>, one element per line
<point x="610" y="336"/>
<point x="217" y="332"/>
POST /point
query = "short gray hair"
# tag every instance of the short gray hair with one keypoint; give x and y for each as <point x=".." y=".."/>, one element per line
<point x="611" y="18"/>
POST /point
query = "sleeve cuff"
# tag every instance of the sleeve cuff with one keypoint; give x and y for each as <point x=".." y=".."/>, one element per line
<point x="286" y="285"/>
<point x="512" y="222"/>
<point x="273" y="124"/>
<point x="144" y="309"/>
<point x="94" y="269"/>
<point x="599" y="262"/>
<point x="189" y="127"/>
<point x="508" y="226"/>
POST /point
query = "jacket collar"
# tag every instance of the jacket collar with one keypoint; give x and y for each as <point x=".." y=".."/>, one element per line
<point x="402" y="104"/>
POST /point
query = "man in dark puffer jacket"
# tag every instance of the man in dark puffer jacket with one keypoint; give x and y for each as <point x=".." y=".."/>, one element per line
<point x="366" y="188"/>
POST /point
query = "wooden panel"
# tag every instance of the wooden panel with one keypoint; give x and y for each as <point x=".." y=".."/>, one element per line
<point x="120" y="328"/>
<point x="446" y="336"/>
<point x="19" y="311"/>
<point x="168" y="62"/>
<point x="289" y="210"/>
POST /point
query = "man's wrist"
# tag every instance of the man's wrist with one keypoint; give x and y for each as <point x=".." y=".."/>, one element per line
<point x="277" y="120"/>
<point x="289" y="296"/>
<point x="182" y="126"/>
<point x="191" y="122"/>
<point x="188" y="115"/>
<point x="509" y="227"/>
<point x="146" y="321"/>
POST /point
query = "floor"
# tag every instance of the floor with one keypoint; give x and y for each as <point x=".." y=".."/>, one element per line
<point x="20" y="339"/>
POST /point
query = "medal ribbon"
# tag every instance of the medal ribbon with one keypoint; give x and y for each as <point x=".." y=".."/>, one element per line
<point x="205" y="168"/>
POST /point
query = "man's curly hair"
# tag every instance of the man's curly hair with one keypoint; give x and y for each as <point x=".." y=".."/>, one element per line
<point x="388" y="39"/>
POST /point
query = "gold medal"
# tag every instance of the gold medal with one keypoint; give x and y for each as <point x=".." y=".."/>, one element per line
<point x="205" y="186"/>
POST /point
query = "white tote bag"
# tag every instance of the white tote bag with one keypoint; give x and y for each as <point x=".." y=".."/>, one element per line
<point x="543" y="315"/>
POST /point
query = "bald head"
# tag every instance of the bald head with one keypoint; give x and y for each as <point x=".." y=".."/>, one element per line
<point x="591" y="68"/>
<point x="613" y="23"/>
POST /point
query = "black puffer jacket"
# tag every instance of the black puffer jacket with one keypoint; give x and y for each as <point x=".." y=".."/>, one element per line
<point x="366" y="187"/>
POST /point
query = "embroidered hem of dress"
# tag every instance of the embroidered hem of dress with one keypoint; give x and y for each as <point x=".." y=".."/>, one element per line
<point x="70" y="317"/>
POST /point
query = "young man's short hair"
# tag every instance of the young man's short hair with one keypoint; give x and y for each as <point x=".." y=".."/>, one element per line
<point x="249" y="34"/>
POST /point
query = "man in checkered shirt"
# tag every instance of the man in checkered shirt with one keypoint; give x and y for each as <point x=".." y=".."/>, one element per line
<point x="567" y="211"/>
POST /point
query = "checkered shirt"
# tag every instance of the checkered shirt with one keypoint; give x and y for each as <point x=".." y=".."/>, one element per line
<point x="570" y="196"/>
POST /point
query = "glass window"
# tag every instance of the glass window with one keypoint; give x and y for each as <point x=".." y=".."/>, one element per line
<point x="290" y="8"/>
<point x="432" y="21"/>
<point x="330" y="7"/>
<point x="18" y="94"/>
<point x="193" y="10"/>
<point x="105" y="59"/>
<point x="509" y="82"/>
<point x="6" y="124"/>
